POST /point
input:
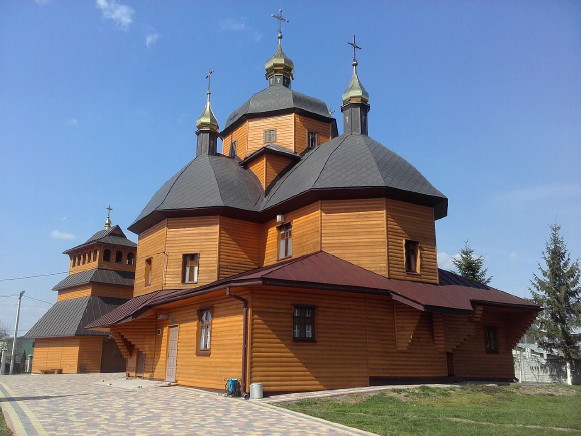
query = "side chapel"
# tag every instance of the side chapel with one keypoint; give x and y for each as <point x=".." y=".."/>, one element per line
<point x="101" y="275"/>
<point x="303" y="260"/>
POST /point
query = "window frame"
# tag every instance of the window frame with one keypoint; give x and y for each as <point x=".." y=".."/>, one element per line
<point x="130" y="259"/>
<point x="269" y="136"/>
<point x="312" y="144"/>
<point x="204" y="331"/>
<point x="195" y="266"/>
<point x="412" y="260"/>
<point x="107" y="255"/>
<point x="148" y="276"/>
<point x="118" y="256"/>
<point x="233" y="146"/>
<point x="285" y="241"/>
<point x="299" y="321"/>
<point x="491" y="339"/>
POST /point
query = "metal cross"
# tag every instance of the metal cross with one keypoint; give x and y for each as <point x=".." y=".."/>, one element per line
<point x="210" y="71"/>
<point x="109" y="209"/>
<point x="355" y="47"/>
<point x="280" y="19"/>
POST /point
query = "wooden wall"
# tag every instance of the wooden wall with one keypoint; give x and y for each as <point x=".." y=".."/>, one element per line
<point x="151" y="244"/>
<point x="96" y="290"/>
<point x="354" y="230"/>
<point x="303" y="125"/>
<point x="284" y="125"/>
<point x="240" y="134"/>
<point x="258" y="167"/>
<point x="306" y="223"/>
<point x="56" y="353"/>
<point x="90" y="352"/>
<point x="274" y="165"/>
<point x="410" y="221"/>
<point x="76" y="292"/>
<point x="240" y="246"/>
<point x="93" y="258"/>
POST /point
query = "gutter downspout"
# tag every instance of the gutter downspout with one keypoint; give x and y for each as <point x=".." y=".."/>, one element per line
<point x="244" y="338"/>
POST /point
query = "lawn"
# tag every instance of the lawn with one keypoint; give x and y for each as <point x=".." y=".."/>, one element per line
<point x="4" y="430"/>
<point x="458" y="410"/>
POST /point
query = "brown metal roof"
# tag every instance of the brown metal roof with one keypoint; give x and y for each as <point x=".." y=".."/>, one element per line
<point x="322" y="270"/>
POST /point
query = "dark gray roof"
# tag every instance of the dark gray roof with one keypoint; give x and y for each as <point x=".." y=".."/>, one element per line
<point x="68" y="317"/>
<point x="107" y="276"/>
<point x="206" y="182"/>
<point x="113" y="236"/>
<point x="275" y="98"/>
<point x="356" y="161"/>
<point x="270" y="148"/>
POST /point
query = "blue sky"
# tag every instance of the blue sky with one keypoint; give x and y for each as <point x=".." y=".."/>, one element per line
<point x="98" y="102"/>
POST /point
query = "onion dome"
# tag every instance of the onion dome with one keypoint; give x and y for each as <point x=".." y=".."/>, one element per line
<point x="207" y="124"/>
<point x="355" y="92"/>
<point x="207" y="121"/>
<point x="279" y="68"/>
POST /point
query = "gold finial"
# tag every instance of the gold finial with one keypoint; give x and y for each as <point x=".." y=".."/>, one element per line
<point x="108" y="220"/>
<point x="355" y="92"/>
<point x="280" y="19"/>
<point x="207" y="120"/>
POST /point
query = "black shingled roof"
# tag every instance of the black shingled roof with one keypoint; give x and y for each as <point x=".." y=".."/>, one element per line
<point x="113" y="236"/>
<point x="110" y="277"/>
<point x="207" y="181"/>
<point x="276" y="98"/>
<point x="68" y="317"/>
<point x="356" y="161"/>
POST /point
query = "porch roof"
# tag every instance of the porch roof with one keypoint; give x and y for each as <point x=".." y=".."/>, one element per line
<point x="324" y="271"/>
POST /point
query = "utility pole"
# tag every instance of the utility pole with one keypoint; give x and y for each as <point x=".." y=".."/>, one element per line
<point x="15" y="333"/>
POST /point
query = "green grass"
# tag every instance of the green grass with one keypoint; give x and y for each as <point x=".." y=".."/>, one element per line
<point x="462" y="410"/>
<point x="4" y="430"/>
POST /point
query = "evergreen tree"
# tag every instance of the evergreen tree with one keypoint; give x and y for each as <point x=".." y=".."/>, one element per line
<point x="556" y="289"/>
<point x="470" y="266"/>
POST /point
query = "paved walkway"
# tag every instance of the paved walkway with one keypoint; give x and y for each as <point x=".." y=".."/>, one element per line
<point x="107" y="404"/>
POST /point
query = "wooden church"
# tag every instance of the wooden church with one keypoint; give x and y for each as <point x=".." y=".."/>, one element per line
<point x="303" y="260"/>
<point x="101" y="275"/>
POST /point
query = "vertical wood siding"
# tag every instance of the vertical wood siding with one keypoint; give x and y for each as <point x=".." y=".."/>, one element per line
<point x="284" y="125"/>
<point x="410" y="221"/>
<point x="303" y="125"/>
<point x="191" y="235"/>
<point x="240" y="134"/>
<point x="240" y="246"/>
<point x="306" y="233"/>
<point x="56" y="353"/>
<point x="151" y="244"/>
<point x="354" y="230"/>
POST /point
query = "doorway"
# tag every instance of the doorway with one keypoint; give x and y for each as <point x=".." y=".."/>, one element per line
<point x="172" y="354"/>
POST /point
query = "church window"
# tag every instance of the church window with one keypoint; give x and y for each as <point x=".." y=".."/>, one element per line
<point x="491" y="339"/>
<point x="412" y="256"/>
<point x="107" y="255"/>
<point x="233" y="146"/>
<point x="148" y="271"/>
<point x="269" y="136"/>
<point x="94" y="255"/>
<point x="204" y="331"/>
<point x="313" y="138"/>
<point x="74" y="260"/>
<point x="304" y="323"/>
<point x="285" y="241"/>
<point x="118" y="257"/>
<point x="130" y="259"/>
<point x="190" y="266"/>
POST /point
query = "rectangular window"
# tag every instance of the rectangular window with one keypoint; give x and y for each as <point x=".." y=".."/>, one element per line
<point x="412" y="256"/>
<point x="233" y="146"/>
<point x="313" y="139"/>
<point x="269" y="136"/>
<point x="491" y="339"/>
<point x="285" y="241"/>
<point x="190" y="264"/>
<point x="304" y="323"/>
<point x="204" y="331"/>
<point x="148" y="271"/>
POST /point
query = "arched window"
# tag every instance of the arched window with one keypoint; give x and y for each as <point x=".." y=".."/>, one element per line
<point x="130" y="258"/>
<point x="83" y="258"/>
<point x="107" y="255"/>
<point x="74" y="261"/>
<point x="118" y="256"/>
<point x="95" y="256"/>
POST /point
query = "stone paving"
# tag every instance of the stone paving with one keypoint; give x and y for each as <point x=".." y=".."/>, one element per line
<point x="107" y="404"/>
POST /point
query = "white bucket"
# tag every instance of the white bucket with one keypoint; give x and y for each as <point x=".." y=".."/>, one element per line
<point x="256" y="391"/>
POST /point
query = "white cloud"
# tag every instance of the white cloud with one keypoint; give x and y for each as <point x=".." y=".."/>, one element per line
<point x="120" y="14"/>
<point x="56" y="234"/>
<point x="151" y="38"/>
<point x="233" y="25"/>
<point x="513" y="255"/>
<point x="73" y="122"/>
<point x="445" y="260"/>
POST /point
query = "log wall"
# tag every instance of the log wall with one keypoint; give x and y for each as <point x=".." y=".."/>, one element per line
<point x="304" y="125"/>
<point x="240" y="134"/>
<point x="240" y="246"/>
<point x="284" y="125"/>
<point x="151" y="244"/>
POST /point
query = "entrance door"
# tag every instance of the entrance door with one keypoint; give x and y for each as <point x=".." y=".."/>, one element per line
<point x="172" y="355"/>
<point x="140" y="364"/>
<point x="450" y="364"/>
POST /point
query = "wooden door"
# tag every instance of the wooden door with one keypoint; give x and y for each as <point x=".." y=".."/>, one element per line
<point x="172" y="355"/>
<point x="140" y="364"/>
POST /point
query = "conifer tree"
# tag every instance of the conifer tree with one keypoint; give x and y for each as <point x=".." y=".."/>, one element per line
<point x="470" y="266"/>
<point x="556" y="289"/>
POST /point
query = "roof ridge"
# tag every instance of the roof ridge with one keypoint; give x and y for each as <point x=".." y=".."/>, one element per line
<point x="174" y="182"/>
<point x="327" y="160"/>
